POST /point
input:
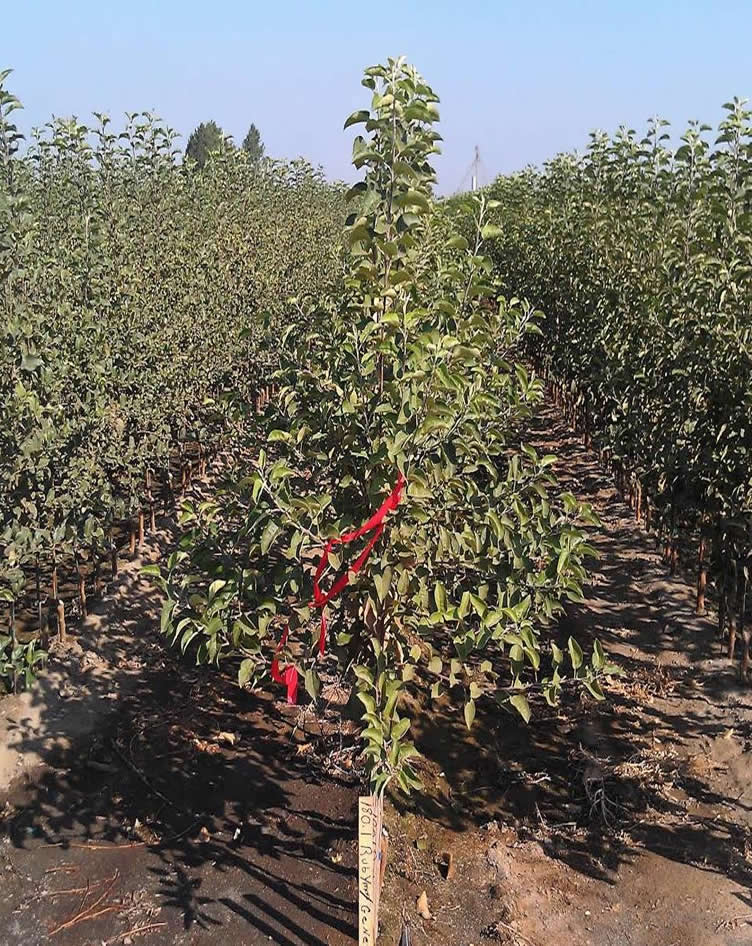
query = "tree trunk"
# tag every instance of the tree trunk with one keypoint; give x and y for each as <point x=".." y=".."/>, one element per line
<point x="81" y="584"/>
<point x="722" y="600"/>
<point x="731" y="611"/>
<point x="150" y="497"/>
<point x="746" y="632"/>
<point x="702" y="574"/>
<point x="61" y="620"/>
<point x="82" y="594"/>
<point x="40" y="615"/>
<point x="113" y="553"/>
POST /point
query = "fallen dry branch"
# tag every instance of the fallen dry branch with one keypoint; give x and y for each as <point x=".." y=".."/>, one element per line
<point x="732" y="921"/>
<point x="108" y="847"/>
<point x="91" y="912"/>
<point x="136" y="931"/>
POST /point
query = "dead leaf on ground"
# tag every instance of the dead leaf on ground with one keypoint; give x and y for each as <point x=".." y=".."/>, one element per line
<point x="422" y="906"/>
<point x="210" y="748"/>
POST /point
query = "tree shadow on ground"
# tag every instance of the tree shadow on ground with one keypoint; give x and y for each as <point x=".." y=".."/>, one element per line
<point x="187" y="790"/>
<point x="600" y="783"/>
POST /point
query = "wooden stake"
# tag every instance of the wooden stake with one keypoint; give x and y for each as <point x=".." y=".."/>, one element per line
<point x="140" y="529"/>
<point x="370" y="866"/>
<point x="132" y="541"/>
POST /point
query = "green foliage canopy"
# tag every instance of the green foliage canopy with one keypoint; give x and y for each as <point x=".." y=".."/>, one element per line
<point x="640" y="255"/>
<point x="252" y="144"/>
<point x="204" y="140"/>
<point x="132" y="300"/>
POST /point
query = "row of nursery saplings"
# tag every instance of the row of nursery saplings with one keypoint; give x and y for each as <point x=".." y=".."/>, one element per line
<point x="639" y="254"/>
<point x="133" y="294"/>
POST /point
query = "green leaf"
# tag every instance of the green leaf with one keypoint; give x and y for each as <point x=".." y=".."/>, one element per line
<point x="167" y="608"/>
<point x="490" y="231"/>
<point x="457" y="242"/>
<point x="31" y="362"/>
<point x="598" y="659"/>
<point x="520" y="703"/>
<point x="575" y="653"/>
<point x="399" y="730"/>
<point x="595" y="690"/>
<point x="270" y="533"/>
<point x="362" y="115"/>
<point x="245" y="670"/>
<point x="469" y="713"/>
<point x="312" y="684"/>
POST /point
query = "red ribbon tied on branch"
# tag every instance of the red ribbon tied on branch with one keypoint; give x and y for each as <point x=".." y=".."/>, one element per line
<point x="375" y="526"/>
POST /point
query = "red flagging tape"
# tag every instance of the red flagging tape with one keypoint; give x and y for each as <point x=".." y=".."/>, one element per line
<point x="375" y="525"/>
<point x="288" y="676"/>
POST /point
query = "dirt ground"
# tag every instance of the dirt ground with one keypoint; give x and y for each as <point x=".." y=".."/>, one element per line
<point x="625" y="823"/>
<point x="156" y="803"/>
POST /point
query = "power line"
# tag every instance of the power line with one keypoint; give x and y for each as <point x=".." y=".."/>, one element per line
<point x="475" y="176"/>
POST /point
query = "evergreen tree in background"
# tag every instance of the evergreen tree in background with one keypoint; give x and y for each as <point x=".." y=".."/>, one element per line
<point x="207" y="137"/>
<point x="253" y="144"/>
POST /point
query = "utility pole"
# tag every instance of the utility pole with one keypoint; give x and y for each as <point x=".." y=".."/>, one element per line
<point x="476" y="168"/>
<point x="476" y="174"/>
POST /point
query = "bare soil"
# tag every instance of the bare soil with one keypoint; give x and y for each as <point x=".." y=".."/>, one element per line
<point x="625" y="823"/>
<point x="144" y="800"/>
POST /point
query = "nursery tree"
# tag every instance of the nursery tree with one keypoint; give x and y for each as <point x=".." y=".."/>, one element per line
<point x="392" y="518"/>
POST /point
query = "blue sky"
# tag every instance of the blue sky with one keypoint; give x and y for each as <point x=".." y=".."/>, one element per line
<point x="523" y="80"/>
